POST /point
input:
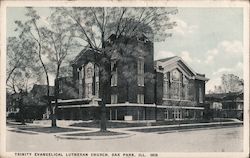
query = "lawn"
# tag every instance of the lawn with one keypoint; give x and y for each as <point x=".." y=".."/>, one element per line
<point x="98" y="133"/>
<point x="164" y="129"/>
<point x="49" y="129"/>
<point x="113" y="124"/>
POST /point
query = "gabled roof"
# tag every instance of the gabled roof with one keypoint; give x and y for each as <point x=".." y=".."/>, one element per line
<point x="179" y="63"/>
<point x="166" y="59"/>
<point x="41" y="90"/>
<point x="86" y="52"/>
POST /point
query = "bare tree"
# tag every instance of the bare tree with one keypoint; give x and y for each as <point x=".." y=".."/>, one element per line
<point x="58" y="43"/>
<point x="18" y="55"/>
<point x="21" y="70"/>
<point x="30" y="29"/>
<point x="23" y="75"/>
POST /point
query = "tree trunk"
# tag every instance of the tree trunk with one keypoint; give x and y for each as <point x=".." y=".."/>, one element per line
<point x="47" y="79"/>
<point x="53" y="116"/>
<point x="22" y="119"/>
<point x="103" y="125"/>
<point x="56" y="93"/>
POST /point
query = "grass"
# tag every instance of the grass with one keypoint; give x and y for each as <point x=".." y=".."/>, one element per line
<point x="148" y="130"/>
<point x="113" y="124"/>
<point x="98" y="133"/>
<point x="49" y="129"/>
<point x="96" y="124"/>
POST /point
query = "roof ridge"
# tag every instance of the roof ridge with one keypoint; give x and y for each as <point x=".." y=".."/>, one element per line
<point x="166" y="59"/>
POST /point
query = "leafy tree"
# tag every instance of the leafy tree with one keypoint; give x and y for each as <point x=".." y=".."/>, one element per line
<point x="231" y="83"/>
<point x="94" y="26"/>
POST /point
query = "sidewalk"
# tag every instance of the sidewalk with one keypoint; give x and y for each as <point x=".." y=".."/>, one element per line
<point x="84" y="133"/>
<point x="155" y="130"/>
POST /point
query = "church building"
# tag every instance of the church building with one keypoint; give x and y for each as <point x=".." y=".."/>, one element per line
<point x="139" y="88"/>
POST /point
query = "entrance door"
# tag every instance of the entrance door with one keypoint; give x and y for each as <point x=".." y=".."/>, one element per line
<point x="166" y="115"/>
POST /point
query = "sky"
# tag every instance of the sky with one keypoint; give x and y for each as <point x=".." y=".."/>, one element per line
<point x="210" y="40"/>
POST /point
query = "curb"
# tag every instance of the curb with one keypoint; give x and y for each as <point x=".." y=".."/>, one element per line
<point x="197" y="129"/>
<point x="94" y="137"/>
<point x="22" y="131"/>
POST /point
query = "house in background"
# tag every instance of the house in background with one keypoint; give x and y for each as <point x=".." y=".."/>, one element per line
<point x="33" y="104"/>
<point x="226" y="105"/>
<point x="139" y="89"/>
<point x="12" y="107"/>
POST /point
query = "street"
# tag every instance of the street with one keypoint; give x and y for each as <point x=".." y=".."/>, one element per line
<point x="228" y="139"/>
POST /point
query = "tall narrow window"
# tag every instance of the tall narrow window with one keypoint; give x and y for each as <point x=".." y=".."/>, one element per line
<point x="114" y="98"/>
<point x="185" y="88"/>
<point x="166" y="86"/>
<point x="97" y="89"/>
<point x="113" y="73"/>
<point x="96" y="81"/>
<point x="82" y="71"/>
<point x="88" y="90"/>
<point x="175" y="89"/>
<point x="78" y="75"/>
<point x="140" y="98"/>
<point x="60" y="85"/>
<point x="89" y="73"/>
<point x="140" y="70"/>
<point x="200" y="95"/>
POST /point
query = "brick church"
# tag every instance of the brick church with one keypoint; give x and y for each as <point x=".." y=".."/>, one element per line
<point x="139" y="87"/>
